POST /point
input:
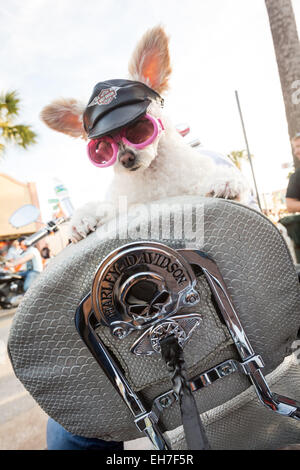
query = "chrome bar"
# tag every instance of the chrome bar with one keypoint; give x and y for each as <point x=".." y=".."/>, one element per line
<point x="251" y="364"/>
<point x="277" y="403"/>
<point x="50" y="227"/>
<point x="198" y="382"/>
<point x="86" y="322"/>
<point x="217" y="285"/>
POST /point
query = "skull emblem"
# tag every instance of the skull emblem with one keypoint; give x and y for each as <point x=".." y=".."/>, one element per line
<point x="145" y="297"/>
<point x="139" y="285"/>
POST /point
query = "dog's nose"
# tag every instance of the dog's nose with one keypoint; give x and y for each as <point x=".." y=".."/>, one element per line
<point x="127" y="159"/>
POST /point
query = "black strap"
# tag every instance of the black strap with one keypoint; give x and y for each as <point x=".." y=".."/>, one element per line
<point x="195" y="435"/>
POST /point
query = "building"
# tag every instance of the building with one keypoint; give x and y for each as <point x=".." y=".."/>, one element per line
<point x="13" y="195"/>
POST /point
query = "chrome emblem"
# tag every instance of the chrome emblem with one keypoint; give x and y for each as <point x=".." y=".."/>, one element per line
<point x="181" y="326"/>
<point x="141" y="284"/>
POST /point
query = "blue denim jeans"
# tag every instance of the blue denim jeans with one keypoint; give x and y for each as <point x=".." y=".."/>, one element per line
<point x="60" y="439"/>
<point x="29" y="277"/>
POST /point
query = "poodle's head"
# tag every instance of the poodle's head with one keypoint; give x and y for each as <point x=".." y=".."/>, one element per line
<point x="123" y="145"/>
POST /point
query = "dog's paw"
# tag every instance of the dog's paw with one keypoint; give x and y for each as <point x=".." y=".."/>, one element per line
<point x="88" y="218"/>
<point x="224" y="190"/>
<point x="230" y="186"/>
<point x="83" y="222"/>
<point x="81" y="226"/>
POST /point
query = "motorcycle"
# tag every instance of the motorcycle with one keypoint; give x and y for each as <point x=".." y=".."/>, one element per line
<point x="181" y="338"/>
<point x="180" y="343"/>
<point x="11" y="289"/>
<point x="11" y="283"/>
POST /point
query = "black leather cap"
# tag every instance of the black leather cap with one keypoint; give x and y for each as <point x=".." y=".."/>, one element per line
<point x="116" y="103"/>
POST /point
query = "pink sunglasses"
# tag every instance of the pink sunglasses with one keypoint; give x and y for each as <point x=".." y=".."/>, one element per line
<point x="103" y="151"/>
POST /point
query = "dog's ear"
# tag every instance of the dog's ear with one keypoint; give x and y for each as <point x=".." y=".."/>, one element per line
<point x="65" y="115"/>
<point x="150" y="62"/>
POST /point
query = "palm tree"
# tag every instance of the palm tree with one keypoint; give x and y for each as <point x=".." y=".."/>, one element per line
<point x="287" y="51"/>
<point x="236" y="156"/>
<point x="19" y="134"/>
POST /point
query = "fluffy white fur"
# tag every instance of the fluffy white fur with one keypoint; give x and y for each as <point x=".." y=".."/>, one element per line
<point x="168" y="167"/>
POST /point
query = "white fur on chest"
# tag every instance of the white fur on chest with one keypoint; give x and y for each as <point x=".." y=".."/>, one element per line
<point x="177" y="170"/>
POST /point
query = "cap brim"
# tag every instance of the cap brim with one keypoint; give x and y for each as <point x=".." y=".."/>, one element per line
<point x="117" y="118"/>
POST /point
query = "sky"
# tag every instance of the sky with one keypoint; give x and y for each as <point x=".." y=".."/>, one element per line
<point x="62" y="48"/>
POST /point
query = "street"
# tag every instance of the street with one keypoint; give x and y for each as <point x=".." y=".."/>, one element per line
<point x="22" y="422"/>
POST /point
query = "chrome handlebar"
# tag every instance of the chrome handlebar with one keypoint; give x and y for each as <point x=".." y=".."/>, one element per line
<point x="51" y="227"/>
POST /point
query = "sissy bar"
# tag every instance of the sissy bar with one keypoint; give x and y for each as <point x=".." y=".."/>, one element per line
<point x="251" y="364"/>
<point x="86" y="324"/>
<point x="129" y="272"/>
<point x="87" y="321"/>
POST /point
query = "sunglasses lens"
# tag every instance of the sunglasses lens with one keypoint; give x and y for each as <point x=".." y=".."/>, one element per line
<point x="100" y="152"/>
<point x="140" y="131"/>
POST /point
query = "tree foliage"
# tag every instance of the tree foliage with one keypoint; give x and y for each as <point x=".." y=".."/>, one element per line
<point x="237" y="156"/>
<point x="19" y="134"/>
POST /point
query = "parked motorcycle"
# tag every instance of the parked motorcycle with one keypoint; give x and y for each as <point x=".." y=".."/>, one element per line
<point x="11" y="289"/>
<point x="11" y="283"/>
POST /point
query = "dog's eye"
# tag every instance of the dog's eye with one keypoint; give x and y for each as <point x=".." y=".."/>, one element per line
<point x="100" y="151"/>
<point x="104" y="149"/>
<point x="140" y="131"/>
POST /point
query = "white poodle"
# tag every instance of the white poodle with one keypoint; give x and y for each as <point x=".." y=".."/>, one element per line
<point x="166" y="167"/>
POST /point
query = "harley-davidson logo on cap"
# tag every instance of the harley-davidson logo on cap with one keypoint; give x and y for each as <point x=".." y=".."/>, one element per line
<point x="105" y="96"/>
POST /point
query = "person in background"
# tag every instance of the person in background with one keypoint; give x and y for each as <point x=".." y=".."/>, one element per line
<point x="33" y="260"/>
<point x="14" y="250"/>
<point x="46" y="255"/>
<point x="3" y="250"/>
<point x="293" y="189"/>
